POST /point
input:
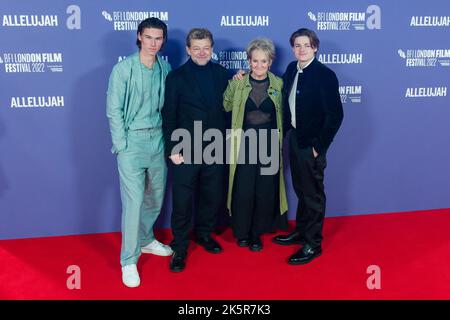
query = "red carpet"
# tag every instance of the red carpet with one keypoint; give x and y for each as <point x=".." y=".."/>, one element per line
<point x="411" y="249"/>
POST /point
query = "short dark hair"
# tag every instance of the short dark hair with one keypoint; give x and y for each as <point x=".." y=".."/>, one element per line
<point x="313" y="38"/>
<point x="199" y="34"/>
<point x="154" y="23"/>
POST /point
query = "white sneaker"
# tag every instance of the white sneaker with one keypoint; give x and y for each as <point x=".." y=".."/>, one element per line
<point x="157" y="248"/>
<point x="130" y="276"/>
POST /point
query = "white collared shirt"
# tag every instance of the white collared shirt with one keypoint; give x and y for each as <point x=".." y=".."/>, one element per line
<point x="293" y="93"/>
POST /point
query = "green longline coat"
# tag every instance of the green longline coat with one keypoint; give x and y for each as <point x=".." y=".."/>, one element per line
<point x="235" y="97"/>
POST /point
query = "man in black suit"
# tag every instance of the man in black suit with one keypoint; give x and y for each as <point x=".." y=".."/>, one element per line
<point x="313" y="109"/>
<point x="193" y="98"/>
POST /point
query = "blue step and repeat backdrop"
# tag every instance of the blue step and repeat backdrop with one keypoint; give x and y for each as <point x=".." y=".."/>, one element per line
<point x="58" y="177"/>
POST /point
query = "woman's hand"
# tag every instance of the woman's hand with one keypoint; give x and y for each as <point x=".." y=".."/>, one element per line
<point x="239" y="75"/>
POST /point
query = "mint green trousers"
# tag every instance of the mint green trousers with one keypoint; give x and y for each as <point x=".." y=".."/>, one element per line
<point x="142" y="173"/>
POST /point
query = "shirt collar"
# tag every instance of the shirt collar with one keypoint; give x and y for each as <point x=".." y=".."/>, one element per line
<point x="300" y="69"/>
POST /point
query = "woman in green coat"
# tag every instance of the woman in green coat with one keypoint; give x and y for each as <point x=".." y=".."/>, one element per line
<point x="257" y="196"/>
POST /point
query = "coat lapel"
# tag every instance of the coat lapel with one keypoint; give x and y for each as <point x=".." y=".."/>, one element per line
<point x="137" y="81"/>
<point x="164" y="72"/>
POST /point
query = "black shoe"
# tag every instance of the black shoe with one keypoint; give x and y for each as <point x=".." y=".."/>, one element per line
<point x="243" y="242"/>
<point x="177" y="262"/>
<point x="256" y="244"/>
<point x="288" y="239"/>
<point x="305" y="255"/>
<point x="209" y="244"/>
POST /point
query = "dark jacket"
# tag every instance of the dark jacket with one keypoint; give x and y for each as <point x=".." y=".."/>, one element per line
<point x="185" y="103"/>
<point x="318" y="105"/>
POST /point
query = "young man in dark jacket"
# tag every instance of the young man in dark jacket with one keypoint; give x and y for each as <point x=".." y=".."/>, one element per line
<point x="313" y="110"/>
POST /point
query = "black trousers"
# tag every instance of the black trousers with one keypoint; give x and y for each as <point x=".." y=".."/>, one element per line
<point x="206" y="182"/>
<point x="307" y="178"/>
<point x="254" y="206"/>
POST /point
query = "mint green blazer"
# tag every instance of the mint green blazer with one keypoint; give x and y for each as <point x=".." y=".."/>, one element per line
<point x="124" y="97"/>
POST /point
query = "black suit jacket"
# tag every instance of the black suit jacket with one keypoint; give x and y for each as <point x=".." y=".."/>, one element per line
<point x="185" y="103"/>
<point x="318" y="106"/>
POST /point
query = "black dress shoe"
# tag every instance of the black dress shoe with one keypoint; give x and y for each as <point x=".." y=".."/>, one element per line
<point x="243" y="242"/>
<point x="177" y="263"/>
<point x="305" y="255"/>
<point x="209" y="244"/>
<point x="288" y="239"/>
<point x="256" y="244"/>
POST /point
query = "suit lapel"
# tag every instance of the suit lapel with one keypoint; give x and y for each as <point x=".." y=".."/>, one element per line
<point x="137" y="75"/>
<point x="136" y="87"/>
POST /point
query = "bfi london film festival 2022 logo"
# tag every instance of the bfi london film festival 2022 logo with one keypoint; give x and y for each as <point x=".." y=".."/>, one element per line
<point x="428" y="58"/>
<point x="37" y="62"/>
<point x="129" y="20"/>
<point x="424" y="58"/>
<point x="31" y="62"/>
<point x="347" y="21"/>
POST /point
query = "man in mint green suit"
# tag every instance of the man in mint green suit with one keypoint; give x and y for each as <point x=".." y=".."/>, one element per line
<point x="134" y="101"/>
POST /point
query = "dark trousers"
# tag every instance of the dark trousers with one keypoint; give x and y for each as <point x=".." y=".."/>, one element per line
<point x="254" y="201"/>
<point x="307" y="179"/>
<point x="206" y="182"/>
